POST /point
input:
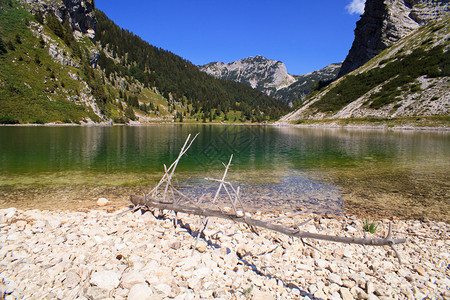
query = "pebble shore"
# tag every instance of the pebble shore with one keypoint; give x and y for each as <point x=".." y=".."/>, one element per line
<point x="100" y="254"/>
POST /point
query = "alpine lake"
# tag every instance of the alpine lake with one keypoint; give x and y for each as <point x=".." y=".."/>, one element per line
<point x="336" y="171"/>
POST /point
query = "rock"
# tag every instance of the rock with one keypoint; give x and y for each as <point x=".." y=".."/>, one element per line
<point x="351" y="229"/>
<point x="72" y="280"/>
<point x="312" y="289"/>
<point x="303" y="267"/>
<point x="21" y="224"/>
<point x="176" y="245"/>
<point x="9" y="212"/>
<point x="202" y="272"/>
<point x="384" y="23"/>
<point x="373" y="297"/>
<point x="189" y="262"/>
<point x="141" y="292"/>
<point x="194" y="283"/>
<point x="348" y="283"/>
<point x="131" y="279"/>
<point x="420" y="270"/>
<point x="359" y="293"/>
<point x="257" y="281"/>
<point x="201" y="246"/>
<point x="53" y="223"/>
<point x="107" y="280"/>
<point x="370" y="287"/>
<point x="258" y="72"/>
<point x="63" y="258"/>
<point x="320" y="295"/>
<point x="164" y="288"/>
<point x="320" y="263"/>
<point x="95" y="293"/>
<point x="261" y="295"/>
<point x="102" y="202"/>
<point x="335" y="278"/>
<point x="345" y="294"/>
<point x="231" y="260"/>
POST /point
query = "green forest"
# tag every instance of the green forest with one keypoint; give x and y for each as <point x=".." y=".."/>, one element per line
<point x="123" y="75"/>
<point x="171" y="74"/>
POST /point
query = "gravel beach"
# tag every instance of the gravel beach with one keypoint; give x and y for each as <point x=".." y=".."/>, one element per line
<point x="103" y="254"/>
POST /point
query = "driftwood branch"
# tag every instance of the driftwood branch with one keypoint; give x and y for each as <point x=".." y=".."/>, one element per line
<point x="266" y="225"/>
<point x="174" y="200"/>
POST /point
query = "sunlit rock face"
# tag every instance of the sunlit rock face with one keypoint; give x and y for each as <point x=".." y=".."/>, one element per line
<point x="270" y="77"/>
<point x="258" y="72"/>
<point x="384" y="22"/>
<point x="80" y="13"/>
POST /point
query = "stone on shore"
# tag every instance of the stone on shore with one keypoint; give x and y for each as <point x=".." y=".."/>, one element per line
<point x="141" y="291"/>
<point x="102" y="202"/>
<point x="97" y="255"/>
<point x="107" y="280"/>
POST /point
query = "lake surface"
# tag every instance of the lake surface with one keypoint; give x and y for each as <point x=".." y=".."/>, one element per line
<point x="383" y="173"/>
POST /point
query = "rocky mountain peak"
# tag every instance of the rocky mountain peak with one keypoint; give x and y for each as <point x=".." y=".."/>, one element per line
<point x="80" y="13"/>
<point x="259" y="72"/>
<point x="384" y="22"/>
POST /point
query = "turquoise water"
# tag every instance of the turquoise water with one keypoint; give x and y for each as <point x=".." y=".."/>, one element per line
<point x="297" y="167"/>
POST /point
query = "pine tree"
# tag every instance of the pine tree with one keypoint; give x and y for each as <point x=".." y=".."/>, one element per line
<point x="2" y="46"/>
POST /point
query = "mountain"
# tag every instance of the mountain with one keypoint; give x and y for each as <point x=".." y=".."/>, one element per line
<point x="296" y="93"/>
<point x="270" y="77"/>
<point x="259" y="72"/>
<point x="385" y="22"/>
<point x="64" y="61"/>
<point x="411" y="78"/>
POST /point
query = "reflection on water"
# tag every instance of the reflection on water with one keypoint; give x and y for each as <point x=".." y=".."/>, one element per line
<point x="276" y="166"/>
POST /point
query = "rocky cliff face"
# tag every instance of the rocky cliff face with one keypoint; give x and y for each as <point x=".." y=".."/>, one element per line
<point x="384" y="22"/>
<point x="409" y="79"/>
<point x="301" y="87"/>
<point x="259" y="72"/>
<point x="80" y="13"/>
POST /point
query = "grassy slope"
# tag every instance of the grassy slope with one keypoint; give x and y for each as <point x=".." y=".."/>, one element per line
<point x="395" y="71"/>
<point x="33" y="87"/>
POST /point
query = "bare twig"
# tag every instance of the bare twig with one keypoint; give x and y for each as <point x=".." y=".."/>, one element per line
<point x="270" y="226"/>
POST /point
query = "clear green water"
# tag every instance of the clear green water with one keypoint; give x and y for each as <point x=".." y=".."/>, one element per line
<point x="328" y="170"/>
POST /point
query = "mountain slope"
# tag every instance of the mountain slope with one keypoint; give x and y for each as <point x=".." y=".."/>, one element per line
<point x="177" y="79"/>
<point x="410" y="78"/>
<point x="296" y="93"/>
<point x="62" y="61"/>
<point x="385" y="22"/>
<point x="41" y="76"/>
<point x="270" y="77"/>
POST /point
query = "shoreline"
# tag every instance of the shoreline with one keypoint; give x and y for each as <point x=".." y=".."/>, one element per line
<point x="60" y="198"/>
<point x="332" y="125"/>
<point x="97" y="254"/>
<point x="369" y="127"/>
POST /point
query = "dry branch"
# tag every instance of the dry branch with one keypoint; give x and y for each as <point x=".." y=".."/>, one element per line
<point x="172" y="200"/>
<point x="270" y="226"/>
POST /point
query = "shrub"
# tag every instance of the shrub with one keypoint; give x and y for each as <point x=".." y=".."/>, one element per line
<point x="37" y="59"/>
<point x="129" y="113"/>
<point x="370" y="226"/>
<point x="8" y="120"/>
<point x="39" y="16"/>
<point x="2" y="46"/>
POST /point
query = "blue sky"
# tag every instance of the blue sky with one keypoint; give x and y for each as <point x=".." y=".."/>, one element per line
<point x="306" y="35"/>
